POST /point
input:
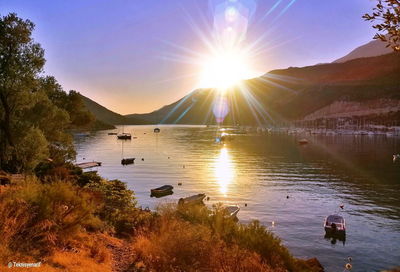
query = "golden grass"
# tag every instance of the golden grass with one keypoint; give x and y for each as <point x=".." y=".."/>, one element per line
<point x="181" y="246"/>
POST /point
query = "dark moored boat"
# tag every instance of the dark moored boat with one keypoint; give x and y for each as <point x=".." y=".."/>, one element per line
<point x="127" y="161"/>
<point x="162" y="191"/>
<point x="124" y="136"/>
<point x="335" y="224"/>
<point x="192" y="200"/>
<point x="112" y="133"/>
<point x="157" y="130"/>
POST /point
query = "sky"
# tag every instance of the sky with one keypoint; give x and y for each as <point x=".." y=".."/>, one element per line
<point x="135" y="56"/>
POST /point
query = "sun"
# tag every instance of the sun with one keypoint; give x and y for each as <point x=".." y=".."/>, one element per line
<point x="225" y="69"/>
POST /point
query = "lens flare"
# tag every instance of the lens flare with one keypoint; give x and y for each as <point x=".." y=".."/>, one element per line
<point x="220" y="108"/>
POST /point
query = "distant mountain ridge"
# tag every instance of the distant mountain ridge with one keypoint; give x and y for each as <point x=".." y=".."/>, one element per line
<point x="371" y="49"/>
<point x="285" y="94"/>
<point x="291" y="94"/>
<point x="107" y="116"/>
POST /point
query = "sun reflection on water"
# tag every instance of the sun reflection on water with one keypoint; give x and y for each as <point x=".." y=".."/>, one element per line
<point x="224" y="170"/>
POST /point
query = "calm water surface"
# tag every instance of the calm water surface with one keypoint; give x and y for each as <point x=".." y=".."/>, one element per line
<point x="262" y="170"/>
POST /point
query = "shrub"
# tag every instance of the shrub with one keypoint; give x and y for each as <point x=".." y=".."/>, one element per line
<point x="36" y="217"/>
<point x="119" y="206"/>
<point x="178" y="245"/>
<point x="252" y="237"/>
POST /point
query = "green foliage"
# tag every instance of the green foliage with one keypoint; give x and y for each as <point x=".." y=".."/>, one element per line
<point x="21" y="60"/>
<point x="80" y="117"/>
<point x="119" y="210"/>
<point x="387" y="13"/>
<point x="32" y="149"/>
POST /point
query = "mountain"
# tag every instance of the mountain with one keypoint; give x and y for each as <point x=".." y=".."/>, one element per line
<point x="371" y="49"/>
<point x="289" y="94"/>
<point x="107" y="116"/>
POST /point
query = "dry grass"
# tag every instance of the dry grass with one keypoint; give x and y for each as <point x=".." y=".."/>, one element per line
<point x="87" y="252"/>
<point x="181" y="246"/>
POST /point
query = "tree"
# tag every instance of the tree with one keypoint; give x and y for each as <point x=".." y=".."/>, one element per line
<point x="387" y="12"/>
<point x="21" y="61"/>
<point x="35" y="112"/>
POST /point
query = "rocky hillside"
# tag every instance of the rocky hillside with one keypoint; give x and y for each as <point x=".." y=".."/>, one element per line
<point x="371" y="49"/>
<point x="290" y="94"/>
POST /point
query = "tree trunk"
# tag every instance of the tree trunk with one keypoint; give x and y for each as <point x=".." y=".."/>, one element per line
<point x="6" y="130"/>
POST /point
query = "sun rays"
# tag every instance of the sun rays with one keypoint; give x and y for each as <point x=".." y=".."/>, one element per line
<point x="227" y="59"/>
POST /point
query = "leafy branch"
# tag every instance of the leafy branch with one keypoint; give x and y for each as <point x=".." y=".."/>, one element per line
<point x="387" y="13"/>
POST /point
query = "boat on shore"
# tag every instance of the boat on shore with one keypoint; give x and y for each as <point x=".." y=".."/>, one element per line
<point x="232" y="210"/>
<point x="124" y="136"/>
<point x="127" y="161"/>
<point x="162" y="191"/>
<point x="335" y="225"/>
<point x="157" y="130"/>
<point x="192" y="200"/>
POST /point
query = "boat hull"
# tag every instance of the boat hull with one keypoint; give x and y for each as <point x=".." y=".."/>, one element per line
<point x="128" y="161"/>
<point x="162" y="191"/>
<point x="331" y="231"/>
<point x="124" y="137"/>
<point x="192" y="200"/>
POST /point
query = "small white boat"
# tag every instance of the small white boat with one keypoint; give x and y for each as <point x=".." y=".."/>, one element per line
<point x="232" y="210"/>
<point x="335" y="224"/>
<point x="396" y="157"/>
<point x="192" y="200"/>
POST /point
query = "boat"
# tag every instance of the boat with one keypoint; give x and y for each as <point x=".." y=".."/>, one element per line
<point x="112" y="133"/>
<point x="396" y="157"/>
<point x="303" y="141"/>
<point x="162" y="191"/>
<point x="157" y="130"/>
<point x="86" y="165"/>
<point x="192" y="200"/>
<point x="232" y="210"/>
<point x="335" y="224"/>
<point x="127" y="161"/>
<point x="124" y="136"/>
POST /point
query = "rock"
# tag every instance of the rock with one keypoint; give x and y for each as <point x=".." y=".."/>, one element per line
<point x="314" y="265"/>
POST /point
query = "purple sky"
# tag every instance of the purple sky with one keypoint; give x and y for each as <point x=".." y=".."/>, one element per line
<point x="119" y="52"/>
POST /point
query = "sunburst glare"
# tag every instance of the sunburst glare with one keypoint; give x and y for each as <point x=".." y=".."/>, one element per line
<point x="227" y="58"/>
<point x="224" y="69"/>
